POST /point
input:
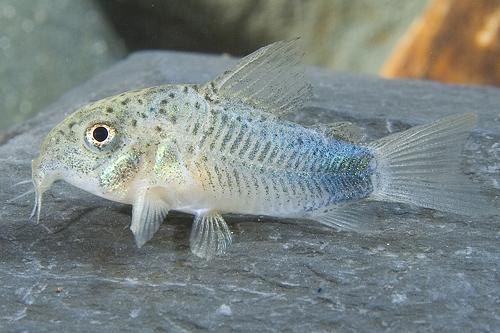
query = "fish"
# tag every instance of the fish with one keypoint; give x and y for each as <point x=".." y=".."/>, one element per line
<point x="226" y="147"/>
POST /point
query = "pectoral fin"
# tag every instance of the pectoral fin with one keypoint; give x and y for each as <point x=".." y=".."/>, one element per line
<point x="210" y="235"/>
<point x="149" y="211"/>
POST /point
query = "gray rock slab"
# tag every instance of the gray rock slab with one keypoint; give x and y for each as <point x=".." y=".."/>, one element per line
<point x="80" y="270"/>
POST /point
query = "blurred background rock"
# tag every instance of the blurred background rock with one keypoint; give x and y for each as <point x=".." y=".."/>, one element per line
<point x="345" y="35"/>
<point x="454" y="41"/>
<point x="49" y="46"/>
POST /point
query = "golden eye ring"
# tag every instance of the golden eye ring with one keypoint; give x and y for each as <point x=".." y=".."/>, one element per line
<point x="100" y="135"/>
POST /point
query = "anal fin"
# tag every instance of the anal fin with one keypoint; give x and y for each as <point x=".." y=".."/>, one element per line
<point x="210" y="235"/>
<point x="358" y="217"/>
<point x="149" y="211"/>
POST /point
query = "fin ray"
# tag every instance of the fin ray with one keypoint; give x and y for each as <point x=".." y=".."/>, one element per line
<point x="421" y="166"/>
<point x="210" y="235"/>
<point x="357" y="217"/>
<point x="271" y="79"/>
<point x="148" y="212"/>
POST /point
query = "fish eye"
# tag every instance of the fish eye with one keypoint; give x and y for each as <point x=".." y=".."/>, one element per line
<point x="100" y="135"/>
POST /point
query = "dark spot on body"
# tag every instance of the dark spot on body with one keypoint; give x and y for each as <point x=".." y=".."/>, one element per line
<point x="158" y="128"/>
<point x="139" y="101"/>
<point x="163" y="101"/>
<point x="71" y="124"/>
<point x="212" y="85"/>
<point x="190" y="149"/>
<point x="151" y="109"/>
<point x="162" y="111"/>
<point x="197" y="105"/>
<point x="196" y="127"/>
<point x="109" y="110"/>
<point x="171" y="95"/>
<point x="125" y="101"/>
<point x="185" y="89"/>
<point x="134" y="122"/>
<point x="173" y="119"/>
<point x="238" y="118"/>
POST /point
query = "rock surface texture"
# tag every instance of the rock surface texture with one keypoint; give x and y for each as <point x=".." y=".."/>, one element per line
<point x="424" y="271"/>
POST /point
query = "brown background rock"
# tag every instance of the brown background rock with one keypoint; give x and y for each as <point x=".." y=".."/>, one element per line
<point x="455" y="41"/>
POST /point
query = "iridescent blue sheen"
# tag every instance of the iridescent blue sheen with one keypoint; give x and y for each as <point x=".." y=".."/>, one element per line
<point x="276" y="166"/>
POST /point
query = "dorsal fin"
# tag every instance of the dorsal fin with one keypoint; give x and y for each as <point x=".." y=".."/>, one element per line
<point x="271" y="79"/>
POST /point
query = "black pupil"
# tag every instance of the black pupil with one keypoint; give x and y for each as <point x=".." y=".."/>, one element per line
<point x="100" y="134"/>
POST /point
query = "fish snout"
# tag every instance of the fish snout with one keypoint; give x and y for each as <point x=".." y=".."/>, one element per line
<point x="43" y="175"/>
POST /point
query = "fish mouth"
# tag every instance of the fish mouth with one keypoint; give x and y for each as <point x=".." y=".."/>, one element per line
<point x="42" y="181"/>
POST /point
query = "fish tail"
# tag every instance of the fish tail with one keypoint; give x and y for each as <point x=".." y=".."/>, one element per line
<point x="420" y="166"/>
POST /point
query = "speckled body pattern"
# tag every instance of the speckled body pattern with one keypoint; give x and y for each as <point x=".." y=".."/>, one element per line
<point x="224" y="147"/>
<point x="220" y="155"/>
<point x="243" y="161"/>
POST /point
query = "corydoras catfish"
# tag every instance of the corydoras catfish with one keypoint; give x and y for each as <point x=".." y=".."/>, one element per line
<point x="224" y="147"/>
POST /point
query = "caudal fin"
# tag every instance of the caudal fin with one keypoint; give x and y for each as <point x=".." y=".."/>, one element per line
<point x="421" y="166"/>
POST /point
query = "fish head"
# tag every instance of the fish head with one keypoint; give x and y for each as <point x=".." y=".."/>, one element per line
<point x="93" y="148"/>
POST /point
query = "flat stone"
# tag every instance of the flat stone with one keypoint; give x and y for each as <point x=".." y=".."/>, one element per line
<point x="425" y="270"/>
